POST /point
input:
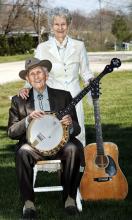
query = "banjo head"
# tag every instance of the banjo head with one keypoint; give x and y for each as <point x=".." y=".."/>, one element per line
<point x="47" y="135"/>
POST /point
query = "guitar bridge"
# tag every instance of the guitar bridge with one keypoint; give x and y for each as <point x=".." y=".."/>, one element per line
<point x="103" y="179"/>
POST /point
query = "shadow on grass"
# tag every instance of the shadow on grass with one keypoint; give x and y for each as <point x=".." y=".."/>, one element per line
<point x="49" y="205"/>
<point x="8" y="149"/>
<point x="121" y="136"/>
<point x="3" y="128"/>
<point x="9" y="195"/>
<point x="111" y="132"/>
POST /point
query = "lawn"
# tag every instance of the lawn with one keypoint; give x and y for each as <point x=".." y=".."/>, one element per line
<point x="116" y="118"/>
<point x="19" y="57"/>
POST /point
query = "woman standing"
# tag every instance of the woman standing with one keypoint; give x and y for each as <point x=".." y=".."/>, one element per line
<point x="69" y="61"/>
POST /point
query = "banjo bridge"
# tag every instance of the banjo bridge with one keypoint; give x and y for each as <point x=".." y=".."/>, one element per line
<point x="41" y="137"/>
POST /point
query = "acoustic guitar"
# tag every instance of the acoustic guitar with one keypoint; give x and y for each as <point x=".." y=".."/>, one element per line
<point x="102" y="178"/>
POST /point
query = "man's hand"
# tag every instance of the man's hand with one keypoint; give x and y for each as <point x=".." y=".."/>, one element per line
<point x="35" y="114"/>
<point x="66" y="120"/>
<point x="24" y="93"/>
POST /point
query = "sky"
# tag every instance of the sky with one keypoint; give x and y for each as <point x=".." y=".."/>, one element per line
<point x="82" y="5"/>
<point x="87" y="6"/>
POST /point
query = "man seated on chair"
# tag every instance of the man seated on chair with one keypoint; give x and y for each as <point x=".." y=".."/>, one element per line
<point x="21" y="114"/>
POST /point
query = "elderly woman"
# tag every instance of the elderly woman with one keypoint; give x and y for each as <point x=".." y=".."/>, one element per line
<point x="69" y="61"/>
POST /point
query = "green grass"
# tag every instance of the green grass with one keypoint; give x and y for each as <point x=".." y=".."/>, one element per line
<point x="116" y="118"/>
<point x="19" y="57"/>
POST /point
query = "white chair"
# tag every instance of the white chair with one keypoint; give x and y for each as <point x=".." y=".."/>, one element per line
<point x="52" y="166"/>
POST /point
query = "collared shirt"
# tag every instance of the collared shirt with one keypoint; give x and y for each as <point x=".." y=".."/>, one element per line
<point x="45" y="100"/>
<point x="45" y="103"/>
<point x="62" y="47"/>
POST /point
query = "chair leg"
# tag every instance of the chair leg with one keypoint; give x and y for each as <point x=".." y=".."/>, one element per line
<point x="78" y="201"/>
<point x="35" y="170"/>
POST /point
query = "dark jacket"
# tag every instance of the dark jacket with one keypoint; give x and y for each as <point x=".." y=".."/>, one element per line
<point x="20" y="108"/>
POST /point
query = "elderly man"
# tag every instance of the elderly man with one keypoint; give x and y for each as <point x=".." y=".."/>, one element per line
<point x="21" y="113"/>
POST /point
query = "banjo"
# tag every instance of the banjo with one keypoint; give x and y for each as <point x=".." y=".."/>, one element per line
<point x="47" y="134"/>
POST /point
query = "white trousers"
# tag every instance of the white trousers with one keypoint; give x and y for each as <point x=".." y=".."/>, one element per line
<point x="80" y="115"/>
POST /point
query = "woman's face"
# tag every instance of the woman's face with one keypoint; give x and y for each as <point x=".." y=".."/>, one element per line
<point x="60" y="28"/>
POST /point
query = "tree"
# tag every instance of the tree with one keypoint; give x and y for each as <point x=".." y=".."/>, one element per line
<point x="22" y="15"/>
<point x="37" y="15"/>
<point x="120" y="29"/>
<point x="14" y="12"/>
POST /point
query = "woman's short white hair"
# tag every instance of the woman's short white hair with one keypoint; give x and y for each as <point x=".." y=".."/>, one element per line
<point x="61" y="12"/>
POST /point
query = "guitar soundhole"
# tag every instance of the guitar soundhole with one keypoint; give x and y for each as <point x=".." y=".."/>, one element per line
<point x="102" y="161"/>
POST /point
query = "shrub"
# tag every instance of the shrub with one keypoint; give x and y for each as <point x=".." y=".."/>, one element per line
<point x="20" y="44"/>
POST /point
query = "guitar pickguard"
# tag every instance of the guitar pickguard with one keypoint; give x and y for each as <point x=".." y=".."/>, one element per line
<point x="111" y="169"/>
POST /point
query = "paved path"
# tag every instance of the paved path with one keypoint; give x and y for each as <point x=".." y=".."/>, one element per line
<point x="98" y="61"/>
<point x="99" y="66"/>
<point x="9" y="71"/>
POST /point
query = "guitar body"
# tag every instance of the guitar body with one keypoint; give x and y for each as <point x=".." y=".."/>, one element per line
<point x="103" y="182"/>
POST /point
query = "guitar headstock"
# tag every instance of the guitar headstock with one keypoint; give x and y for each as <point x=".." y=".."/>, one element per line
<point x="94" y="86"/>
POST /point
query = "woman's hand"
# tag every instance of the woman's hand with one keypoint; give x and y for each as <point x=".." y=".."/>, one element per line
<point x="24" y="93"/>
<point x="66" y="120"/>
<point x="89" y="81"/>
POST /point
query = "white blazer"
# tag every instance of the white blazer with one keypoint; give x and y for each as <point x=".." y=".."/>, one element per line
<point x="65" y="74"/>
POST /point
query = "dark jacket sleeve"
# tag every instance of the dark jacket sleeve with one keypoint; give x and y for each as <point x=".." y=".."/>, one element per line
<point x="16" y="123"/>
<point x="76" y="126"/>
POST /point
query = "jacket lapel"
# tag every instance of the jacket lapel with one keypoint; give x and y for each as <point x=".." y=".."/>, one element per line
<point x="51" y="99"/>
<point x="53" y="49"/>
<point x="30" y="103"/>
<point x="70" y="49"/>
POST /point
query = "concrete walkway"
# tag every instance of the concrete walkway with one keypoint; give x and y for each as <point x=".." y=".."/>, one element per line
<point x="97" y="62"/>
<point x="9" y="71"/>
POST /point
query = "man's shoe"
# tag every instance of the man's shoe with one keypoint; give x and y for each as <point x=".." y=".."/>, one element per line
<point x="70" y="206"/>
<point x="29" y="214"/>
<point x="29" y="211"/>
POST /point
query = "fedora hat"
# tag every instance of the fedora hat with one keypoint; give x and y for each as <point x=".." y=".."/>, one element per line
<point x="31" y="63"/>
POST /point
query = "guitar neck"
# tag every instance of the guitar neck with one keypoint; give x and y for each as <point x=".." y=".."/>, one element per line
<point x="98" y="127"/>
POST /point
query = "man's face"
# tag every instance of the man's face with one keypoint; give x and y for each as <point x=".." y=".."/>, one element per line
<point x="60" y="27"/>
<point x="37" y="78"/>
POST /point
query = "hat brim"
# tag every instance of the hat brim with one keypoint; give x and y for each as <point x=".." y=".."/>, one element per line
<point x="43" y="63"/>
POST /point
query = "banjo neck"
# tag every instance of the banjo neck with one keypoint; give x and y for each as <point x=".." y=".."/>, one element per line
<point x="115" y="62"/>
<point x="74" y="101"/>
